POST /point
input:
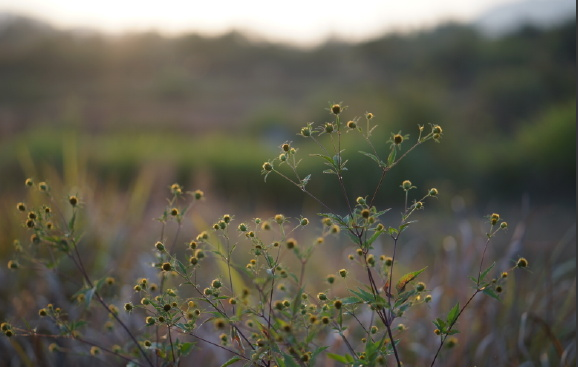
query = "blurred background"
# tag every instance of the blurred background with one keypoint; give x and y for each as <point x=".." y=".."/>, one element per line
<point x="116" y="102"/>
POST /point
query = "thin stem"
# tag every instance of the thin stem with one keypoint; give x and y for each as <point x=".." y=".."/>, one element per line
<point x="82" y="269"/>
<point x="172" y="346"/>
<point x="382" y="313"/>
<point x="304" y="190"/>
<point x="445" y="336"/>
<point x="478" y="290"/>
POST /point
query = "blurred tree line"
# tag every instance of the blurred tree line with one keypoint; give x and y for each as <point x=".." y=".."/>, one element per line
<point x="507" y="105"/>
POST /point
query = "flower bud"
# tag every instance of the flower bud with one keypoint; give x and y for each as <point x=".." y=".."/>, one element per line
<point x="406" y="185"/>
<point x="522" y="263"/>
<point x="198" y="194"/>
<point x="336" y="109"/>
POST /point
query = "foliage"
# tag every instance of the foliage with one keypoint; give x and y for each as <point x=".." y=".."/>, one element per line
<point x="264" y="310"/>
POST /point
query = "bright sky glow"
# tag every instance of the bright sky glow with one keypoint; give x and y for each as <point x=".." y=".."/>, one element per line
<point x="296" y="21"/>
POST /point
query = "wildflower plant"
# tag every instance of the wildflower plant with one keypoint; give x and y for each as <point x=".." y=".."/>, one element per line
<point x="260" y="312"/>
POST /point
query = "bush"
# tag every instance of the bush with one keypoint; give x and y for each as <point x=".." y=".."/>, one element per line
<point x="247" y="292"/>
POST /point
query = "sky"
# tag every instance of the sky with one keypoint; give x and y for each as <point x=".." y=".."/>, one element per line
<point x="304" y="22"/>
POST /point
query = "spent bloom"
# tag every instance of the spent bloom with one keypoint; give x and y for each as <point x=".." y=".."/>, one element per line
<point x="336" y="109"/>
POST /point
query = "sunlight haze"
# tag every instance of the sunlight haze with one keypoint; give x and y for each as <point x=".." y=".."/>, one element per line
<point x="299" y="21"/>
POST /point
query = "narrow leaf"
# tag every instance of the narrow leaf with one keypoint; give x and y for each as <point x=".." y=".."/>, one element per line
<point x="453" y="314"/>
<point x="231" y="361"/>
<point x="72" y="221"/>
<point x="338" y="358"/>
<point x="366" y="296"/>
<point x="297" y="302"/>
<point x="187" y="347"/>
<point x="391" y="157"/>
<point x="440" y="324"/>
<point x="372" y="239"/>
<point x="289" y="361"/>
<point x="305" y="181"/>
<point x="485" y="272"/>
<point x="328" y="159"/>
<point x="490" y="292"/>
<point x="400" y="286"/>
<point x="351" y="300"/>
<point x="374" y="158"/>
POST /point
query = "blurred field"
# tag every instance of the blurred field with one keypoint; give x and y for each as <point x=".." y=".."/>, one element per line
<point x="116" y="121"/>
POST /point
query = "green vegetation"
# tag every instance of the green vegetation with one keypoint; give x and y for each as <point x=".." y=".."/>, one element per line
<point x="98" y="128"/>
<point x="253" y="293"/>
<point x="488" y="92"/>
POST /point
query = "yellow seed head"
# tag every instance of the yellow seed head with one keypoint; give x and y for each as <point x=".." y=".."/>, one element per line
<point x="406" y="185"/>
<point x="267" y="166"/>
<point x="336" y="109"/>
<point x="522" y="263"/>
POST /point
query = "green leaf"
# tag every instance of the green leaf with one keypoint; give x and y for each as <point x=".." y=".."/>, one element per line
<point x="99" y="283"/>
<point x="328" y="159"/>
<point x="72" y="221"/>
<point x="339" y="358"/>
<point x="352" y="237"/>
<point x="351" y="300"/>
<point x="400" y="286"/>
<point x="185" y="348"/>
<point x="181" y="267"/>
<point x="379" y="162"/>
<point x="380" y="213"/>
<point x="316" y="352"/>
<point x="289" y="361"/>
<point x="230" y="361"/>
<point x="364" y="295"/>
<point x="403" y="297"/>
<point x="371" y="349"/>
<point x="485" y="272"/>
<point x="372" y="239"/>
<point x="88" y="296"/>
<point x="391" y="157"/>
<point x="440" y="324"/>
<point x="405" y="225"/>
<point x="453" y="314"/>
<point x="296" y="304"/>
<point x="490" y="292"/>
<point x="305" y="181"/>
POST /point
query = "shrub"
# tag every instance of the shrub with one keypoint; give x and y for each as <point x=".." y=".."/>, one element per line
<point x="264" y="311"/>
